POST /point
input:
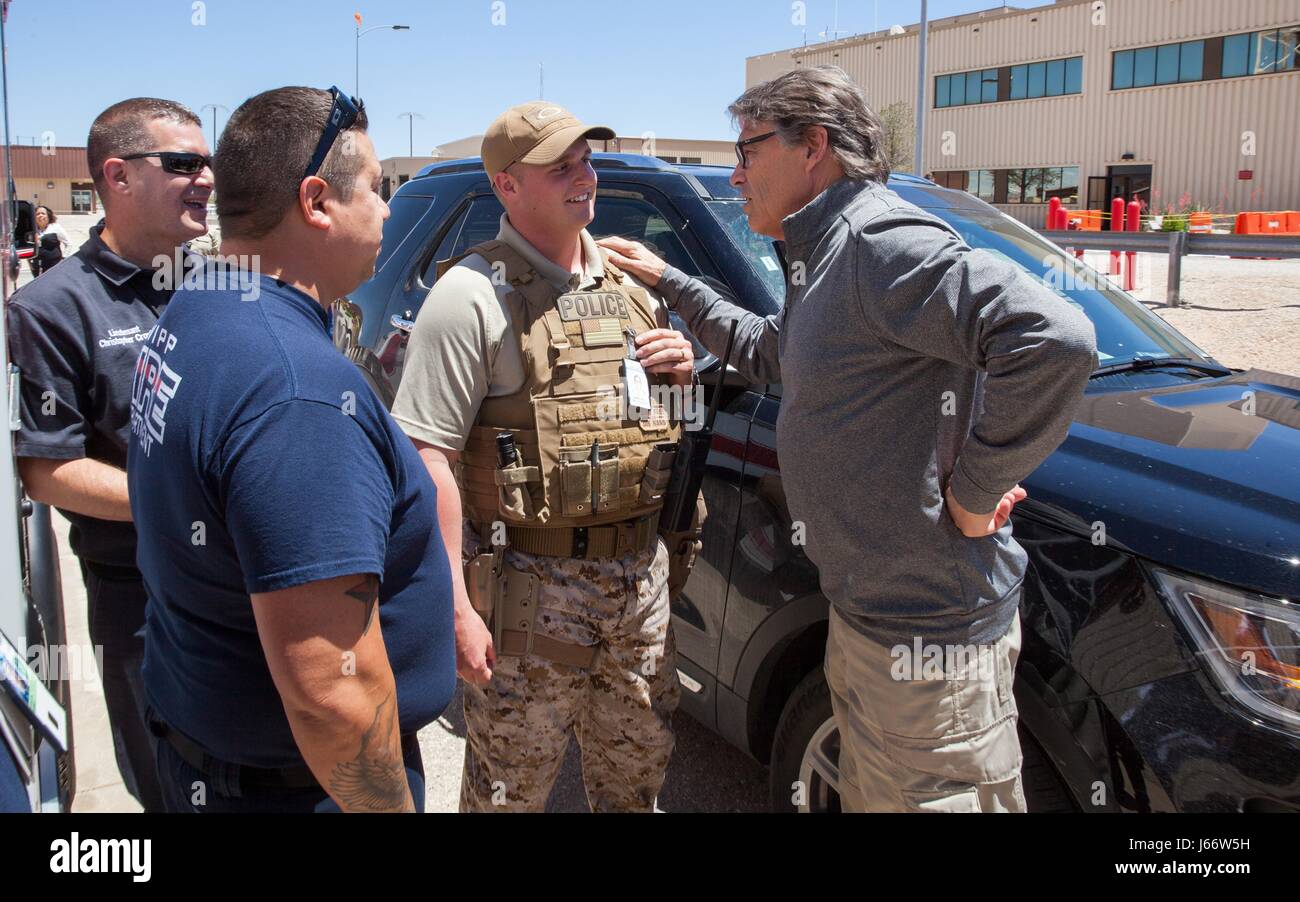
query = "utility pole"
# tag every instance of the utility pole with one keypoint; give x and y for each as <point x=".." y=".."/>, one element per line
<point x="360" y="34"/>
<point x="541" y="81"/>
<point x="923" y="37"/>
<point x="214" y="107"/>
<point x="411" y="117"/>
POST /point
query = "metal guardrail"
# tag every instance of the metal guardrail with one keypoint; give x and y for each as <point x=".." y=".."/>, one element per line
<point x="1178" y="245"/>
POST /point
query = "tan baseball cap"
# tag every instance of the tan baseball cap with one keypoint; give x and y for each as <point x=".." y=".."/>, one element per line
<point x="537" y="133"/>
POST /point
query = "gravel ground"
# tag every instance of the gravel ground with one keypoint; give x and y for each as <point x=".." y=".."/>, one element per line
<point x="1244" y="313"/>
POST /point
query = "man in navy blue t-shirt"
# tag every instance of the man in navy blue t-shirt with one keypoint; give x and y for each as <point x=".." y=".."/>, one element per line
<point x="278" y="506"/>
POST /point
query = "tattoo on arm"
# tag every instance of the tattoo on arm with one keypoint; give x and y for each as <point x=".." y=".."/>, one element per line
<point x="366" y="592"/>
<point x="376" y="779"/>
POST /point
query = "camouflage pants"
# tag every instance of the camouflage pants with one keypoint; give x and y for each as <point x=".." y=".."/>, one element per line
<point x="620" y="708"/>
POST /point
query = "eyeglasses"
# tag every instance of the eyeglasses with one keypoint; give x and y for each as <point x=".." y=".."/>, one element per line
<point x="741" y="145"/>
<point x="175" y="162"/>
<point x="343" y="115"/>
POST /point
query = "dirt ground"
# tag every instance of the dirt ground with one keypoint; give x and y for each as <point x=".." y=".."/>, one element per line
<point x="1244" y="313"/>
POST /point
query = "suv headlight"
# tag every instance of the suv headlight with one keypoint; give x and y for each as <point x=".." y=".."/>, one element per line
<point x="1250" y="643"/>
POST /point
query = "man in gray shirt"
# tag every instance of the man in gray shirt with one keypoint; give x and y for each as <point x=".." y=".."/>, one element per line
<point x="922" y="380"/>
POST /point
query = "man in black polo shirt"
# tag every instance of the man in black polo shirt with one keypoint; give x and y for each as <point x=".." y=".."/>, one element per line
<point x="75" y="334"/>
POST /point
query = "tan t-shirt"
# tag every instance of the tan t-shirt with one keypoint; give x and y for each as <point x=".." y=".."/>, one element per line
<point x="456" y="355"/>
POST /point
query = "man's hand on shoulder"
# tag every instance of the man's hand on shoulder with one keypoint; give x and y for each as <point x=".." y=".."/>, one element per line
<point x="633" y="258"/>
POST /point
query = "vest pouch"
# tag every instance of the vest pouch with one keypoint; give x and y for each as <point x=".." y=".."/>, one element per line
<point x="588" y="479"/>
<point x="514" y="499"/>
<point x="658" y="473"/>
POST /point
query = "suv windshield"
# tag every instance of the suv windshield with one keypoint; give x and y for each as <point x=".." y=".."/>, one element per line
<point x="1126" y="330"/>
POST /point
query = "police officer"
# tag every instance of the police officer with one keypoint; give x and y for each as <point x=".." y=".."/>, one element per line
<point x="534" y="379"/>
<point x="75" y="334"/>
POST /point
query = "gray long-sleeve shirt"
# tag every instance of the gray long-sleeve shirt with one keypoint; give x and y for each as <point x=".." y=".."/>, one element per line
<point x="908" y="362"/>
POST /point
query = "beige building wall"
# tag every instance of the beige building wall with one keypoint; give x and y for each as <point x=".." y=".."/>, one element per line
<point x="58" y="198"/>
<point x="1191" y="134"/>
<point x="679" y="150"/>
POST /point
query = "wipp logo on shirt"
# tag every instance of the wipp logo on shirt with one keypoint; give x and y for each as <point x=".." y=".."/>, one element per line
<point x="152" y="388"/>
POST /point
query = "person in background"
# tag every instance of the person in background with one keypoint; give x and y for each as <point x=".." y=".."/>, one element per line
<point x="51" y="241"/>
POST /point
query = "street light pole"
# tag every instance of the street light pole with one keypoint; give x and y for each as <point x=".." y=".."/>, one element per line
<point x="214" y="107"/>
<point x="411" y="117"/>
<point x="357" y="74"/>
<point x="917" y="166"/>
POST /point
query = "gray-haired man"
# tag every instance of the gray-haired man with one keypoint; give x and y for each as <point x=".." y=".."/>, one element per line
<point x="951" y="375"/>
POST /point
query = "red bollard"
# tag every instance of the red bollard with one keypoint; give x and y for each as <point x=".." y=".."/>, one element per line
<point x="1116" y="225"/>
<point x="1053" y="213"/>
<point x="1134" y="224"/>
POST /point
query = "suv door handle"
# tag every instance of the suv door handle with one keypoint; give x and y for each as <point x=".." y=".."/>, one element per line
<point x="402" y="324"/>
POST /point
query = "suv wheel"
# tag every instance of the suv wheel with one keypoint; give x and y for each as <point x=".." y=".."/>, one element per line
<point x="805" y="770"/>
<point x="805" y="753"/>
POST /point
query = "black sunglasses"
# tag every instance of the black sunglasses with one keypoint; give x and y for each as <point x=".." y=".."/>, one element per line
<point x="344" y="113"/>
<point x="741" y="145"/>
<point x="176" y="162"/>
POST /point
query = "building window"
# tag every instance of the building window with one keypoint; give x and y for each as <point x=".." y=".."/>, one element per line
<point x="1238" y="52"/>
<point x="1233" y="56"/>
<point x="686" y="161"/>
<point x="1052" y="78"/>
<point x="1074" y="75"/>
<point x="1019" y="82"/>
<point x="980" y="183"/>
<point x="1121" y="74"/>
<point x="1037" y="79"/>
<point x="1036" y="185"/>
<point x="1192" y="63"/>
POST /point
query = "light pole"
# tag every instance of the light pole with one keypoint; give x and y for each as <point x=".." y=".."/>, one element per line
<point x="922" y="39"/>
<point x="411" y="117"/>
<point x="214" y="107"/>
<point x="357" y="18"/>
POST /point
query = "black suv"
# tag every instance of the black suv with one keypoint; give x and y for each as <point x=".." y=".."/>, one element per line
<point x="1160" y="669"/>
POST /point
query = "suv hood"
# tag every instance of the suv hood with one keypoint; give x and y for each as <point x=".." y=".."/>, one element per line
<point x="1203" y="477"/>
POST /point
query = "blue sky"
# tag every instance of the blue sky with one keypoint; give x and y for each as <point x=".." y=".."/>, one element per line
<point x="670" y="66"/>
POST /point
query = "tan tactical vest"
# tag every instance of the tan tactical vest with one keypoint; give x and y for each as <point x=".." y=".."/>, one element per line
<point x="583" y="461"/>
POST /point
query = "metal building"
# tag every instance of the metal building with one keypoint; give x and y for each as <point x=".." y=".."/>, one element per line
<point x="1171" y="102"/>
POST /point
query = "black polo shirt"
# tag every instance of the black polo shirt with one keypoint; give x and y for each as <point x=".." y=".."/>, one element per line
<point x="75" y="334"/>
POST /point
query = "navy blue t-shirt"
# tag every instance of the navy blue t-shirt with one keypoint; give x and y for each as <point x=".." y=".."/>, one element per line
<point x="261" y="460"/>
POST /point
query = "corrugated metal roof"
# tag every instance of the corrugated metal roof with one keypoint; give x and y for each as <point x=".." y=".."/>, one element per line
<point x="49" y="163"/>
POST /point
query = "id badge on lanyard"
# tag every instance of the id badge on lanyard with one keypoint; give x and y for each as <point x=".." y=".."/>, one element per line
<point x="636" y="385"/>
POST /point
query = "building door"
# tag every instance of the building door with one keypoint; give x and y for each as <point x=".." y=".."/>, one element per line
<point x="1130" y="183"/>
<point x="83" y="197"/>
<point x="1097" y="192"/>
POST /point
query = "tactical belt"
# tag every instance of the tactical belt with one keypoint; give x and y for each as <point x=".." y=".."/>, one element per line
<point x="515" y="642"/>
<point x="586" y="542"/>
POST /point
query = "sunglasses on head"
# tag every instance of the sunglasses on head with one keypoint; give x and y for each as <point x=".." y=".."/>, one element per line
<point x="176" y="162"/>
<point x="344" y="113"/>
